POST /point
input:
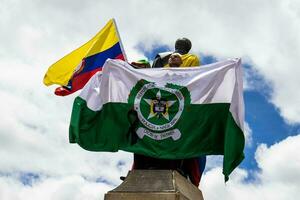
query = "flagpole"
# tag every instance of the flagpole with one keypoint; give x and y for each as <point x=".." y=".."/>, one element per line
<point x="121" y="44"/>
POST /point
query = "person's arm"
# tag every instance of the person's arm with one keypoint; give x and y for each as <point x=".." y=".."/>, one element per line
<point x="157" y="63"/>
<point x="161" y="59"/>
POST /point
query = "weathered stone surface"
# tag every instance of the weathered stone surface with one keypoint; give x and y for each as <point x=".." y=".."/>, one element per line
<point x="154" y="185"/>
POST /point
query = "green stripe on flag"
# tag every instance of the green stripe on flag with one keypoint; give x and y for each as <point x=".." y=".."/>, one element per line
<point x="206" y="129"/>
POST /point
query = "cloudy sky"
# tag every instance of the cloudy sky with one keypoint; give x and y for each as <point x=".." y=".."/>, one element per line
<point x="36" y="160"/>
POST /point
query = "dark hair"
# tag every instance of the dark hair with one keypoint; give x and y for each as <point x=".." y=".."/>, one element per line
<point x="183" y="45"/>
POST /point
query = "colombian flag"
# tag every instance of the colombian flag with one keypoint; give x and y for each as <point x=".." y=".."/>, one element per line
<point x="74" y="70"/>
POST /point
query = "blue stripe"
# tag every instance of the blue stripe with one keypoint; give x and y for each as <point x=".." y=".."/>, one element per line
<point x="98" y="60"/>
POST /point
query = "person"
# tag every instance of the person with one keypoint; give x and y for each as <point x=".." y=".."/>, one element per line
<point x="182" y="46"/>
<point x="191" y="168"/>
<point x="141" y="64"/>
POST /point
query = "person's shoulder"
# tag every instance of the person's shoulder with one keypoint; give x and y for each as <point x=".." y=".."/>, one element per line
<point x="190" y="60"/>
<point x="189" y="56"/>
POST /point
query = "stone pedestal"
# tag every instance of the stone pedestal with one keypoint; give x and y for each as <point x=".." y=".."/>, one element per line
<point x="154" y="185"/>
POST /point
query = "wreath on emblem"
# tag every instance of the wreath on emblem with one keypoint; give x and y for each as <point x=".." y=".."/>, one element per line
<point x="158" y="108"/>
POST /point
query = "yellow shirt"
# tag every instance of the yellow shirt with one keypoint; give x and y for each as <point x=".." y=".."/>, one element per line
<point x="189" y="60"/>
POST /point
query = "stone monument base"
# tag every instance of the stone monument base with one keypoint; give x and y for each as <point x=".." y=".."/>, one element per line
<point x="154" y="185"/>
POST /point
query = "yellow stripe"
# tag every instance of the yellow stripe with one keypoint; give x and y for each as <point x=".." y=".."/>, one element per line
<point x="61" y="71"/>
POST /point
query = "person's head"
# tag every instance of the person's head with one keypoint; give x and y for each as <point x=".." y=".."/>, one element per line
<point x="183" y="46"/>
<point x="175" y="60"/>
<point x="140" y="64"/>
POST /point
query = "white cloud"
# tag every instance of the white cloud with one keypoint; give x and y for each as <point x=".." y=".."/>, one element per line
<point x="280" y="162"/>
<point x="279" y="178"/>
<point x="266" y="33"/>
<point x="248" y="135"/>
<point x="34" y="123"/>
<point x="68" y="187"/>
<point x="34" y="132"/>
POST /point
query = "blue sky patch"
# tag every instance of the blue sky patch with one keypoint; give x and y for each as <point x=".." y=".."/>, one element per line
<point x="28" y="178"/>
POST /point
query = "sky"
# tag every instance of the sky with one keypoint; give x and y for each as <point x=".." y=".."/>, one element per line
<point x="37" y="161"/>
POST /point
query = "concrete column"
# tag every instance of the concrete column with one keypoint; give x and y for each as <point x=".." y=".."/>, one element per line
<point x="154" y="185"/>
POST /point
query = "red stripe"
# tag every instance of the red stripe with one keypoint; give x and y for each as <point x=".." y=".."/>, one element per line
<point x="78" y="83"/>
<point x="120" y="56"/>
<point x="61" y="91"/>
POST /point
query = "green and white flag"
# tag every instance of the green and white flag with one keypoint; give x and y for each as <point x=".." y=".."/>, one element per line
<point x="170" y="113"/>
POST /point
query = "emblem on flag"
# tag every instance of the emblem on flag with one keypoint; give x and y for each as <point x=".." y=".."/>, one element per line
<point x="159" y="108"/>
